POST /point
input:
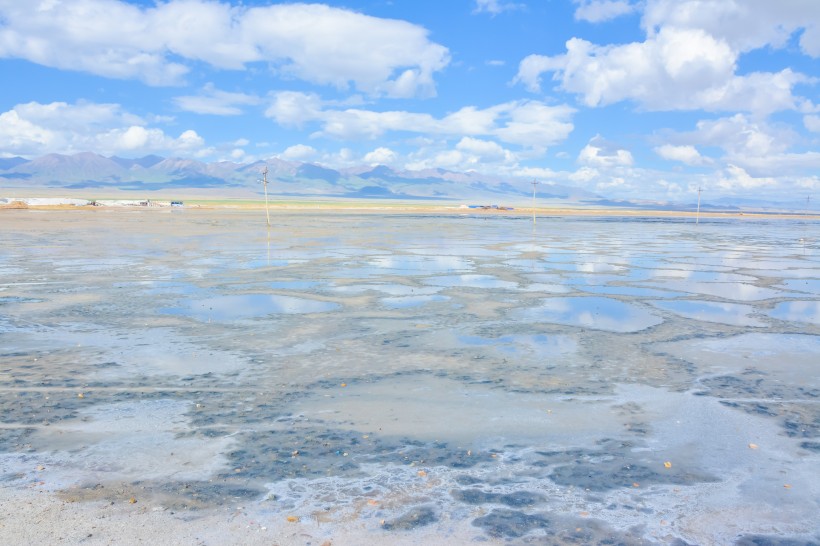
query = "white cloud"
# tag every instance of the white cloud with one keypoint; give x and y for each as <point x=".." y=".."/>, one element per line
<point x="761" y="148"/>
<point x="685" y="154"/>
<point x="23" y="137"/>
<point x="782" y="165"/>
<point x="216" y="102"/>
<point x="537" y="173"/>
<point x="535" y="124"/>
<point x="312" y="42"/>
<point x="190" y="140"/>
<point x="468" y="154"/>
<point x="736" y="178"/>
<point x="597" y="11"/>
<point x="134" y="138"/>
<point x="381" y="156"/>
<point x="745" y="25"/>
<point x="742" y="137"/>
<point x="584" y="175"/>
<point x="616" y="182"/>
<point x="599" y="153"/>
<point x="483" y="150"/>
<point x="293" y="108"/>
<point x="495" y="6"/>
<point x="812" y="123"/>
<point x="34" y="129"/>
<point x="299" y="152"/>
<point x="808" y="183"/>
<point x="678" y="67"/>
<point x="104" y="37"/>
<point x="531" y="124"/>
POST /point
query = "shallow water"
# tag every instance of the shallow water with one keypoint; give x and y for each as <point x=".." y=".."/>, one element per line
<point x="479" y="378"/>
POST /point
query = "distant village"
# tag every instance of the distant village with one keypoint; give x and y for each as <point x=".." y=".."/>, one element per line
<point x="25" y="202"/>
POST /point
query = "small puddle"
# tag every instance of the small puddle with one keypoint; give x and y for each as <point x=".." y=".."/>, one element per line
<point x="734" y="314"/>
<point x="593" y="312"/>
<point x="243" y="306"/>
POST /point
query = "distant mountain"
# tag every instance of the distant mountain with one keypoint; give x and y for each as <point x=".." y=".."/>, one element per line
<point x="316" y="172"/>
<point x="153" y="174"/>
<point x="11" y="162"/>
<point x="145" y="162"/>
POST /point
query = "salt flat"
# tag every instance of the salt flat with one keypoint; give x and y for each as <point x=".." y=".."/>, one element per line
<point x="193" y="376"/>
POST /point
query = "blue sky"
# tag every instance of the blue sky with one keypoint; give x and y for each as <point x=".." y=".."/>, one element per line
<point x="630" y="99"/>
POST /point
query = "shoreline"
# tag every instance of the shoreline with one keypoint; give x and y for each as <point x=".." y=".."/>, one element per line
<point x="390" y="207"/>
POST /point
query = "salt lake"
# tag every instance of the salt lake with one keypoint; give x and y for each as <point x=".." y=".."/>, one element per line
<point x="408" y="378"/>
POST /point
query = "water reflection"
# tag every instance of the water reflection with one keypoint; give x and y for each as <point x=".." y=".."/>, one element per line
<point x="591" y="312"/>
<point x="293" y="285"/>
<point x="540" y="344"/>
<point x="445" y="396"/>
<point x="811" y="286"/>
<point x="417" y="265"/>
<point x="404" y="302"/>
<point x="634" y="291"/>
<point x="725" y="313"/>
<point x="393" y="289"/>
<point x="798" y="311"/>
<point x="725" y="290"/>
<point x="702" y="276"/>
<point x="470" y="281"/>
<point x="243" y="306"/>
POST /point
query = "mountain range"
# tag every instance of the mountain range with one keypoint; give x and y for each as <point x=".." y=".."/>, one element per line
<point x="150" y="174"/>
<point x="95" y="175"/>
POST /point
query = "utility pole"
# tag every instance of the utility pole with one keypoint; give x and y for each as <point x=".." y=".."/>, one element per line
<point x="534" y="184"/>
<point x="697" y="218"/>
<point x="265" y="185"/>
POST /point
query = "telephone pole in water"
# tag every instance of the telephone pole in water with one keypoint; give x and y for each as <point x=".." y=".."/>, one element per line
<point x="534" y="184"/>
<point x="265" y="185"/>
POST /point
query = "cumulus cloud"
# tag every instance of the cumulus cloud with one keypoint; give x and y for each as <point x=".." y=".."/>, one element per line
<point x="381" y="156"/>
<point x="312" y="42"/>
<point x="468" y="154"/>
<point x="483" y="150"/>
<point x="34" y="129"/>
<point x="741" y="137"/>
<point x="601" y="154"/>
<point x="216" y="102"/>
<point x="597" y="11"/>
<point x="294" y="108"/>
<point x="531" y="124"/>
<point x="299" y="152"/>
<point x="685" y="154"/>
<point x="689" y="59"/>
<point x="746" y="25"/>
<point x="736" y="178"/>
<point x="535" y="124"/>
